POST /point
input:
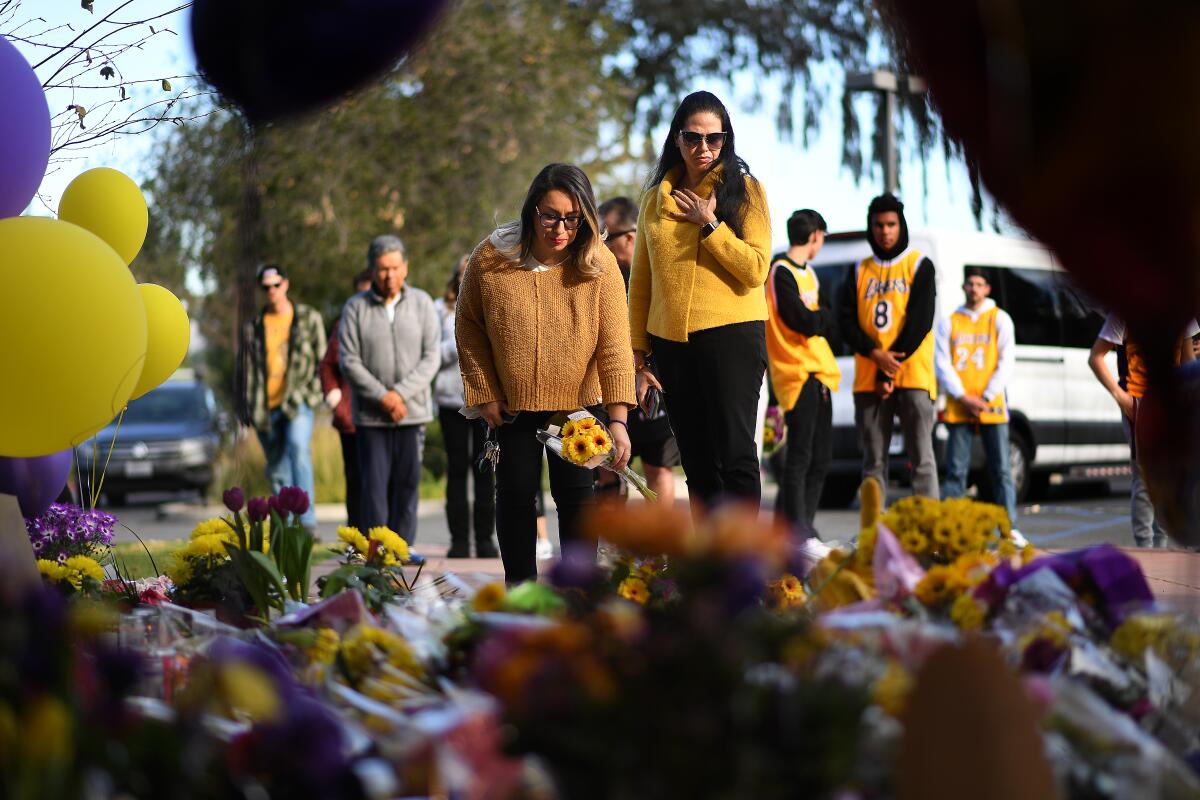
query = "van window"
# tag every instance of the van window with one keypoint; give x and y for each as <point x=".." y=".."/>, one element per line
<point x="1081" y="316"/>
<point x="832" y="276"/>
<point x="1031" y="298"/>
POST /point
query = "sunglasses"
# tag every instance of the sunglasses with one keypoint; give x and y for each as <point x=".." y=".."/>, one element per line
<point x="693" y="139"/>
<point x="549" y="220"/>
<point x="266" y="287"/>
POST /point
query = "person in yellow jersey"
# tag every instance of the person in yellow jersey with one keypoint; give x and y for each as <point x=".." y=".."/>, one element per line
<point x="803" y="370"/>
<point x="974" y="359"/>
<point x="885" y="314"/>
<point x="1128" y="389"/>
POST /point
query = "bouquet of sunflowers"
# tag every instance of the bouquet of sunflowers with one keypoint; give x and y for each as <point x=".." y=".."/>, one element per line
<point x="580" y="439"/>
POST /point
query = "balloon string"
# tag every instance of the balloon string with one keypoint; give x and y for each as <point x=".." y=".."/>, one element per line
<point x="111" y="445"/>
<point x="92" y="493"/>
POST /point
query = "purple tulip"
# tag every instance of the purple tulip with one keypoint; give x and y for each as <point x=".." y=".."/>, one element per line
<point x="258" y="509"/>
<point x="293" y="499"/>
<point x="234" y="499"/>
<point x="275" y="504"/>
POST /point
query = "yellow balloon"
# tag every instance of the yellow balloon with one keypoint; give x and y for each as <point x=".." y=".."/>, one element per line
<point x="110" y="205"/>
<point x="168" y="333"/>
<point x="72" y="335"/>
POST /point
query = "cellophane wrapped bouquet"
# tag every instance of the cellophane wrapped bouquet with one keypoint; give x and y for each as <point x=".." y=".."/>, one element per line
<point x="579" y="438"/>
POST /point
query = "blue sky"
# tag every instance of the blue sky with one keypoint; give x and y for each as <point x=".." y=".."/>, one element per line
<point x="795" y="176"/>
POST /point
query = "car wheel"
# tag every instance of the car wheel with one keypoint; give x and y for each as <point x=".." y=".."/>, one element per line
<point x="839" y="491"/>
<point x="1020" y="457"/>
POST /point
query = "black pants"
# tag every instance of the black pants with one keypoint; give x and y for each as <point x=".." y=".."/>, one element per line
<point x="389" y="461"/>
<point x="354" y="496"/>
<point x="808" y="450"/>
<point x="711" y="385"/>
<point x="518" y="483"/>
<point x="464" y="443"/>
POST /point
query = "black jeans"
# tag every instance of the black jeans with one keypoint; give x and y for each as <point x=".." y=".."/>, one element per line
<point x="464" y="443"/>
<point x="519" y="481"/>
<point x="389" y="460"/>
<point x="808" y="450"/>
<point x="711" y="385"/>
<point x="354" y="497"/>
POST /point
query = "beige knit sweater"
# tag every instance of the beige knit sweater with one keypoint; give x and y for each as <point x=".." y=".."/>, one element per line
<point x="542" y="341"/>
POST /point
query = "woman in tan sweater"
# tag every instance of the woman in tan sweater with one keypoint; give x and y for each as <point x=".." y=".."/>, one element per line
<point x="541" y="327"/>
<point x="696" y="300"/>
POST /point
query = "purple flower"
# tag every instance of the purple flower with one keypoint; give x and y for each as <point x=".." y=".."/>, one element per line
<point x="274" y="505"/>
<point x="258" y="509"/>
<point x="234" y="499"/>
<point x="293" y="499"/>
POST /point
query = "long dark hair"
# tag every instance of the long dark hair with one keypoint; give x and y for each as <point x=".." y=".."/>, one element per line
<point x="732" y="196"/>
<point x="585" y="251"/>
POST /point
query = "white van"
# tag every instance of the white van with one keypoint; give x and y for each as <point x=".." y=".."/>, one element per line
<point x="1064" y="425"/>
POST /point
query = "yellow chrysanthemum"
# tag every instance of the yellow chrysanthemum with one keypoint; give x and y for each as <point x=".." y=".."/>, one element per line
<point x="214" y="527"/>
<point x="366" y="647"/>
<point x="892" y="689"/>
<point x="634" y="589"/>
<point x="354" y="538"/>
<point x="211" y="546"/>
<point x="86" y="567"/>
<point x="324" y="648"/>
<point x="395" y="549"/>
<point x="248" y="693"/>
<point x="968" y="613"/>
<point x="489" y="597"/>
<point x="180" y="571"/>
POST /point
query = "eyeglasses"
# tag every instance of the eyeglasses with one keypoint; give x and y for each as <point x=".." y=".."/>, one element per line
<point x="693" y="139"/>
<point x="549" y="220"/>
<point x="615" y="234"/>
<point x="266" y="287"/>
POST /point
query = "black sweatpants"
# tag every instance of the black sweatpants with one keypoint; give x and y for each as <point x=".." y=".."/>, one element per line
<point x="808" y="450"/>
<point x="711" y="385"/>
<point x="518" y="483"/>
<point x="354" y="496"/>
<point x="464" y="443"/>
<point x="389" y="461"/>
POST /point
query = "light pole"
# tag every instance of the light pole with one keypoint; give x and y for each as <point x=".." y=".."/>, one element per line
<point x="891" y="86"/>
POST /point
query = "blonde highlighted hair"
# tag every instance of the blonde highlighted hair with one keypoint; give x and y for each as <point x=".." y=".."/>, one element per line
<point x="587" y="249"/>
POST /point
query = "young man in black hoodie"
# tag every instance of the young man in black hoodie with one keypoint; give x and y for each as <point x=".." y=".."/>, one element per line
<point x="885" y="314"/>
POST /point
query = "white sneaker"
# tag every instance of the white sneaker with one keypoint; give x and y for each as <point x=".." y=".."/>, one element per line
<point x="544" y="550"/>
<point x="1018" y="539"/>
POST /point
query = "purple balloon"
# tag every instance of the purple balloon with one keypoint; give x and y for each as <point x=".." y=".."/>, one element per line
<point x="35" y="481"/>
<point x="25" y="134"/>
<point x="277" y="62"/>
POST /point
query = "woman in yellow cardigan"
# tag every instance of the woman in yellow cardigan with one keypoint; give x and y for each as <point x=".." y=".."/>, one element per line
<point x="696" y="300"/>
<point x="541" y="327"/>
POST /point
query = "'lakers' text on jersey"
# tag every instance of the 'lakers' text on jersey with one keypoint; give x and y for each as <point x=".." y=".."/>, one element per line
<point x="882" y="292"/>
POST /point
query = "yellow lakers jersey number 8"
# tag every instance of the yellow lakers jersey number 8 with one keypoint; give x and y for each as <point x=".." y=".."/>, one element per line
<point x="882" y="292"/>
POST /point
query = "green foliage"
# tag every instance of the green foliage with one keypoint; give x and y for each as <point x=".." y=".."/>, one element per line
<point x="439" y="152"/>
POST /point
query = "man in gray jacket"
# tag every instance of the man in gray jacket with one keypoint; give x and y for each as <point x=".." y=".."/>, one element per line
<point x="390" y="338"/>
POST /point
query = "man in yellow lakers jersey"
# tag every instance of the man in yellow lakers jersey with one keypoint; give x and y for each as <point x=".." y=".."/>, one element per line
<point x="1127" y="390"/>
<point x="885" y="314"/>
<point x="803" y="370"/>
<point x="974" y="358"/>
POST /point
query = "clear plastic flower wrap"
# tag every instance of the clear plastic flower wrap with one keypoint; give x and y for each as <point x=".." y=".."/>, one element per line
<point x="578" y="438"/>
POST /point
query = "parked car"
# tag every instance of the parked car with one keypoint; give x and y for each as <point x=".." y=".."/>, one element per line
<point x="1064" y="425"/>
<point x="167" y="441"/>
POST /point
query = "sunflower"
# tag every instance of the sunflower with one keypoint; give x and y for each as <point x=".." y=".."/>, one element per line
<point x="914" y="541"/>
<point x="933" y="589"/>
<point x="968" y="613"/>
<point x="601" y="441"/>
<point x="587" y="423"/>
